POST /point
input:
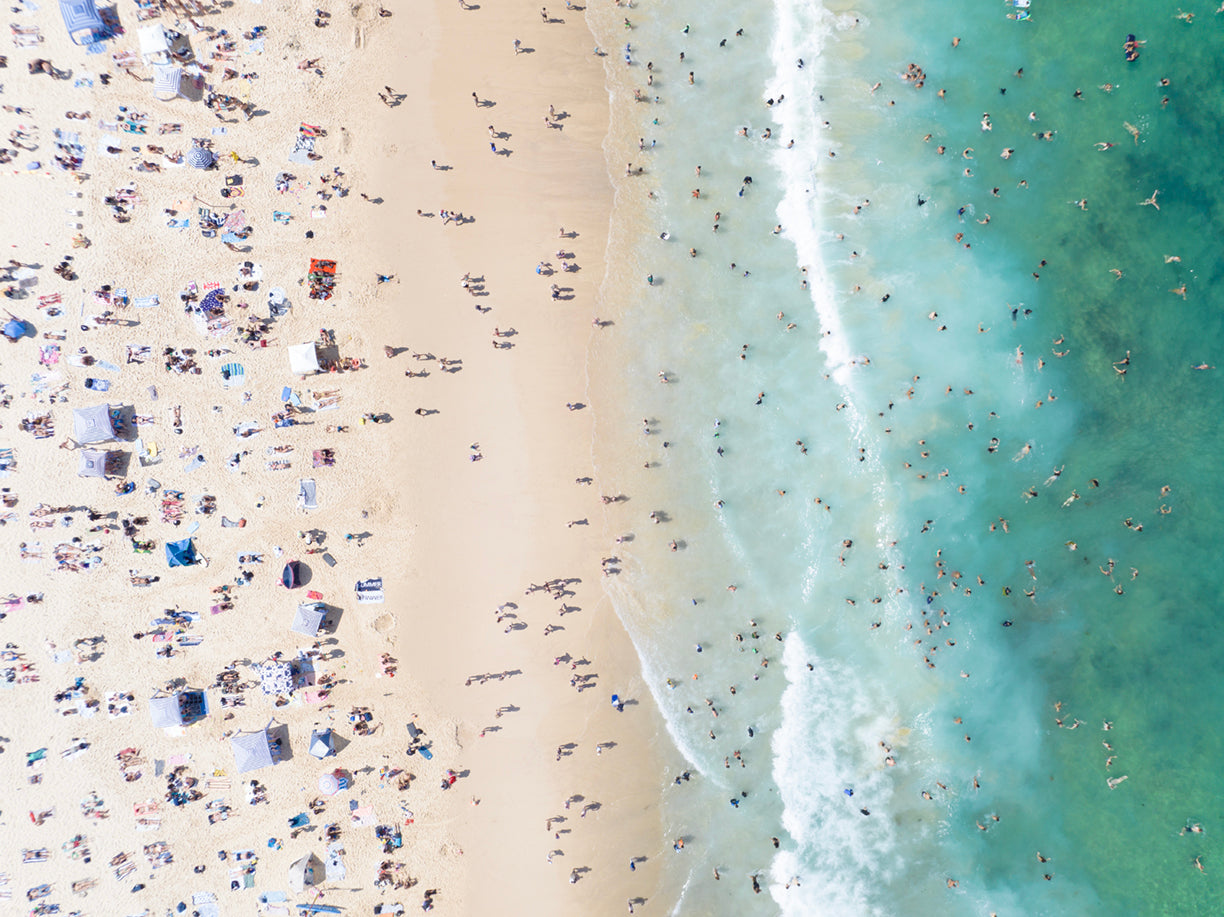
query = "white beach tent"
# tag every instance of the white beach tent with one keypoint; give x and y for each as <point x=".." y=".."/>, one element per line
<point x="167" y="81"/>
<point x="308" y="619"/>
<point x="306" y="871"/>
<point x="93" y="464"/>
<point x="93" y="425"/>
<point x="251" y="750"/>
<point x="304" y="359"/>
<point x="154" y="45"/>
<point x="165" y="711"/>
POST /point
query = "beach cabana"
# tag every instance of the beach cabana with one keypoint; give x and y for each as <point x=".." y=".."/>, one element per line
<point x="93" y="425"/>
<point x="167" y="81"/>
<point x="308" y="619"/>
<point x="304" y="359"/>
<point x="180" y="553"/>
<point x="251" y="750"/>
<point x="306" y="871"/>
<point x="97" y="464"/>
<point x="276" y="678"/>
<point x="179" y="709"/>
<point x="164" y="711"/>
<point x="322" y="743"/>
<point x="82" y="21"/>
<point x="154" y="45"/>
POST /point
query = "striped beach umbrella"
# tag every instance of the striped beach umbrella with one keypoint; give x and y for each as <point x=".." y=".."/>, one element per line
<point x="200" y="158"/>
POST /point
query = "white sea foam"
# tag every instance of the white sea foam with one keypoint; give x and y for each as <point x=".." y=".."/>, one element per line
<point x="826" y="745"/>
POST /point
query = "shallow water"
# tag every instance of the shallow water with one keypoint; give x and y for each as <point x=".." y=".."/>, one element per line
<point x="897" y="296"/>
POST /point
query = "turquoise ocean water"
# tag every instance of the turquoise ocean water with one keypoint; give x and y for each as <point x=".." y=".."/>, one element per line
<point x="971" y="453"/>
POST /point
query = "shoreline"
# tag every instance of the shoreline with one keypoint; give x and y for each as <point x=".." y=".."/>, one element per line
<point x="555" y="177"/>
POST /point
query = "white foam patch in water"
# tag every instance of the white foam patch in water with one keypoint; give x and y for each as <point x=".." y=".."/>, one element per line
<point x="827" y="743"/>
<point x="801" y="32"/>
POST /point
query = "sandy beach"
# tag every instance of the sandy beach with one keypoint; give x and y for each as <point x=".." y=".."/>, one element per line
<point x="465" y="487"/>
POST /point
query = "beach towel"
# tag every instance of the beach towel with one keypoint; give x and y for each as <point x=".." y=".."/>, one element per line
<point x="335" y="865"/>
<point x="370" y="591"/>
<point x="232" y="374"/>
<point x="302" y="148"/>
<point x="306" y="494"/>
<point x="206" y="904"/>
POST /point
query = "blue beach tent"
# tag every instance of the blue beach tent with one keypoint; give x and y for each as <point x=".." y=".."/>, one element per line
<point x="82" y="21"/>
<point x="180" y="553"/>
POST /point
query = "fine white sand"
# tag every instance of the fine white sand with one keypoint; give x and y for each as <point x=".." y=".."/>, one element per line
<point x="452" y="538"/>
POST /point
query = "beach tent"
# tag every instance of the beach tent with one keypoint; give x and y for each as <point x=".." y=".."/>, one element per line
<point x="167" y="81"/>
<point x="322" y="743"/>
<point x="308" y="619"/>
<point x="251" y="750"/>
<point x="304" y="359"/>
<point x="93" y="464"/>
<point x="93" y="425"/>
<point x="291" y="576"/>
<point x="154" y="45"/>
<point x="180" y="553"/>
<point x="81" y="19"/>
<point x="180" y="709"/>
<point x="165" y="711"/>
<point x="304" y="872"/>
<point x="276" y="678"/>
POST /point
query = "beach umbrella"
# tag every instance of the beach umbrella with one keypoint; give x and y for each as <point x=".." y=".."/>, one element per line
<point x="212" y="302"/>
<point x="329" y="785"/>
<point x="200" y="158"/>
<point x="14" y="329"/>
